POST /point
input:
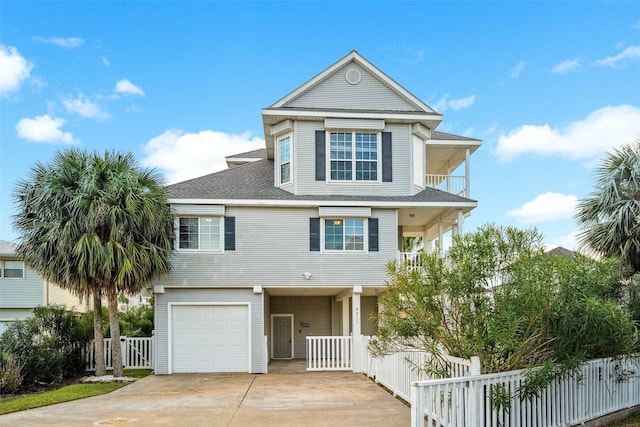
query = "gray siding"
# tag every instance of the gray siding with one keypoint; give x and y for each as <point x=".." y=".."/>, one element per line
<point x="204" y="296"/>
<point x="336" y="93"/>
<point x="305" y="160"/>
<point x="22" y="293"/>
<point x="272" y="249"/>
<point x="312" y="311"/>
<point x="11" y="314"/>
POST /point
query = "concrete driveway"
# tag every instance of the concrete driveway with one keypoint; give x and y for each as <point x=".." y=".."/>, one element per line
<point x="234" y="400"/>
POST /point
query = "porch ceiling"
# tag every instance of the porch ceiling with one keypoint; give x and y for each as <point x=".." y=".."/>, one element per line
<point x="291" y="291"/>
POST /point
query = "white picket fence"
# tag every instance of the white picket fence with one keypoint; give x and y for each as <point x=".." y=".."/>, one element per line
<point x="602" y="386"/>
<point x="137" y="352"/>
<point x="398" y="370"/>
<point x="329" y="353"/>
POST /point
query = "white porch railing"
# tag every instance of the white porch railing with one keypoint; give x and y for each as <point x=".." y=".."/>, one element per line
<point x="601" y="387"/>
<point x="411" y="260"/>
<point x="449" y="183"/>
<point x="137" y="352"/>
<point x="325" y="353"/>
<point x="396" y="371"/>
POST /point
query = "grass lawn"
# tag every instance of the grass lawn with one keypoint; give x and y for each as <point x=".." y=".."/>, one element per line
<point x="65" y="394"/>
<point x="632" y="421"/>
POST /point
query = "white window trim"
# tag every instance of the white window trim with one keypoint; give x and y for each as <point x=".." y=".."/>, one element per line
<point x="277" y="157"/>
<point x="353" y="179"/>
<point x="365" y="237"/>
<point x="3" y="269"/>
<point x="186" y="250"/>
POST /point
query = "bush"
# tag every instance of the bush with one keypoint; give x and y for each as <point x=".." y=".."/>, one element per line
<point x="48" y="346"/>
<point x="11" y="375"/>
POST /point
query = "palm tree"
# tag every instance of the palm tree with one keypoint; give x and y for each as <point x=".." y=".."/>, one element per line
<point x="97" y="225"/>
<point x="609" y="217"/>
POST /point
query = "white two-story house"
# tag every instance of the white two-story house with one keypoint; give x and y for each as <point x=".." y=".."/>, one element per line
<point x="292" y="241"/>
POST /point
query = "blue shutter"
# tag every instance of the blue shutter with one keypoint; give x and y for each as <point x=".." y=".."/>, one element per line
<point x="321" y="166"/>
<point x="373" y="234"/>
<point x="229" y="233"/>
<point x="387" y="161"/>
<point x="314" y="234"/>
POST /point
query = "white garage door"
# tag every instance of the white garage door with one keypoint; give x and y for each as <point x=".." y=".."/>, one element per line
<point x="210" y="338"/>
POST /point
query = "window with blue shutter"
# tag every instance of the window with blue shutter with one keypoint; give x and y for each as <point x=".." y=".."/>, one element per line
<point x="229" y="233"/>
<point x="314" y="234"/>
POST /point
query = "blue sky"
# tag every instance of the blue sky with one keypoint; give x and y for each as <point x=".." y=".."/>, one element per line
<point x="548" y="86"/>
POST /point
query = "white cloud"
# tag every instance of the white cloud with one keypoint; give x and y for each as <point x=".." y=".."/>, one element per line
<point x="566" y="66"/>
<point x="586" y="139"/>
<point x="105" y="61"/>
<point x="44" y="129"/>
<point x="83" y="107"/>
<point x="514" y="73"/>
<point x="183" y="156"/>
<point x="630" y="53"/>
<point x="455" y="104"/>
<point x="125" y="87"/>
<point x="546" y="207"/>
<point x="65" y="42"/>
<point x="14" y="69"/>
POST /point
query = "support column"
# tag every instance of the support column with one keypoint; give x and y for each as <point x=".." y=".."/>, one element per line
<point x="345" y="316"/>
<point x="467" y="173"/>
<point x="441" y="238"/>
<point x="460" y="222"/>
<point x="356" y="335"/>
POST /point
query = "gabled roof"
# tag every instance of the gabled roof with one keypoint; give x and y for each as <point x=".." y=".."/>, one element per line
<point x="254" y="181"/>
<point x="7" y="248"/>
<point x="355" y="57"/>
<point x="443" y="136"/>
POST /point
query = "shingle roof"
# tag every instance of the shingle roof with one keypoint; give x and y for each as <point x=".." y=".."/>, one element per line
<point x="260" y="153"/>
<point x="443" y="136"/>
<point x="254" y="181"/>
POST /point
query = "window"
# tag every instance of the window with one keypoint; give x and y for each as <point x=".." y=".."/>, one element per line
<point x="344" y="234"/>
<point x="12" y="269"/>
<point x="354" y="156"/>
<point x="284" y="149"/>
<point x="200" y="233"/>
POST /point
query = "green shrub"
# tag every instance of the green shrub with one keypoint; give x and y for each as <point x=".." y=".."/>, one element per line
<point x="48" y="346"/>
<point x="11" y="375"/>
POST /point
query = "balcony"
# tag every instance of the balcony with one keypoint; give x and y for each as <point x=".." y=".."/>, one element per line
<point x="457" y="185"/>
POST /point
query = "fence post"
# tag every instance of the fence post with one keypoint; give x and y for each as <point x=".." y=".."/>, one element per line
<point x="124" y="351"/>
<point x="417" y="406"/>
<point x="475" y="366"/>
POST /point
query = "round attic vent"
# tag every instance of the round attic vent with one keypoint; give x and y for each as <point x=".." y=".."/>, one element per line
<point x="353" y="76"/>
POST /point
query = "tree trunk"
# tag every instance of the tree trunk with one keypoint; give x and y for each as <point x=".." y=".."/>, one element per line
<point x="116" y="352"/>
<point x="98" y="336"/>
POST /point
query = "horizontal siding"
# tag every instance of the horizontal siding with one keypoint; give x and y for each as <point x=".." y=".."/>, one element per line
<point x="312" y="311"/>
<point x="208" y="296"/>
<point x="344" y="211"/>
<point x="22" y="293"/>
<point x="11" y="314"/>
<point x="304" y="165"/>
<point x="60" y="296"/>
<point x="272" y="248"/>
<point x="336" y="93"/>
<point x="353" y="124"/>
<point x="198" y="209"/>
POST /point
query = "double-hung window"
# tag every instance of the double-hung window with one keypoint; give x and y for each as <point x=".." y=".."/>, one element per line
<point x="344" y="234"/>
<point x="200" y="233"/>
<point x="284" y="156"/>
<point x="12" y="269"/>
<point x="354" y="156"/>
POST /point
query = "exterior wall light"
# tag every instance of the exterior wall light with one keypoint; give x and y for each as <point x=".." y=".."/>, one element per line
<point x="307" y="276"/>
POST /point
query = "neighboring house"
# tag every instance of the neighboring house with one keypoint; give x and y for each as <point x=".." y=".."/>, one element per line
<point x="292" y="241"/>
<point x="22" y="289"/>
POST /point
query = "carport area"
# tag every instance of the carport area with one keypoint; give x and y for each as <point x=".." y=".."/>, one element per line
<point x="285" y="397"/>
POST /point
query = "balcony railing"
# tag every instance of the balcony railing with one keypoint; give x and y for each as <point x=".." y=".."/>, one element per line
<point x="449" y="183"/>
<point x="412" y="261"/>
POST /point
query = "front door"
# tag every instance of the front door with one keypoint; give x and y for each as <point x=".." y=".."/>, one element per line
<point x="282" y="339"/>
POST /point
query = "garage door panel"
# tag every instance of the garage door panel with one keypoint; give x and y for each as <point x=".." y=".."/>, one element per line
<point x="210" y="338"/>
